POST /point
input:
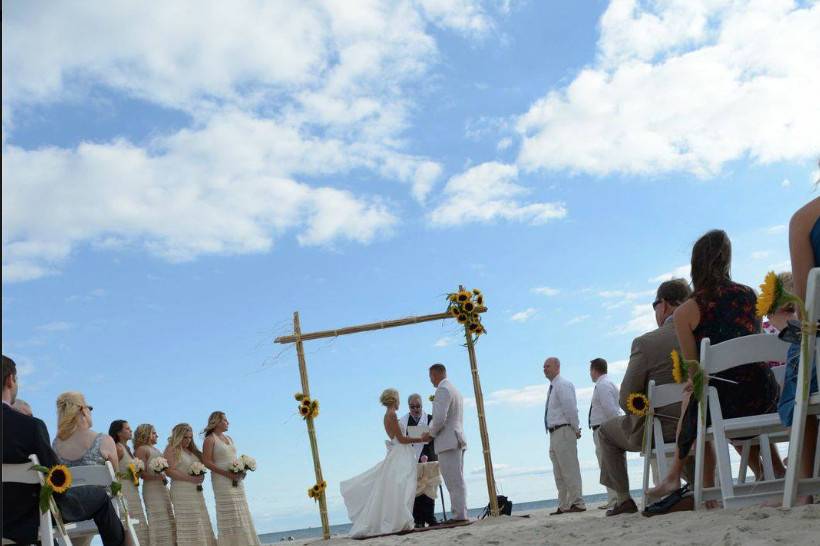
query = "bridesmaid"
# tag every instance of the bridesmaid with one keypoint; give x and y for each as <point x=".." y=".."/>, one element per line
<point x="161" y="525"/>
<point x="193" y="524"/>
<point x="233" y="517"/>
<point x="120" y="431"/>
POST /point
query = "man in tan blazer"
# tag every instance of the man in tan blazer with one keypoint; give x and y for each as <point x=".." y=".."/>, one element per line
<point x="650" y="359"/>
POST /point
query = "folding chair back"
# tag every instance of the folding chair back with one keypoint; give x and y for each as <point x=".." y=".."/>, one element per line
<point x="659" y="396"/>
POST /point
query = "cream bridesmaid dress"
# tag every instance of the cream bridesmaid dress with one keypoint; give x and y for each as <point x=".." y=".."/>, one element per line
<point x="191" y="516"/>
<point x="161" y="526"/>
<point x="132" y="498"/>
<point x="233" y="518"/>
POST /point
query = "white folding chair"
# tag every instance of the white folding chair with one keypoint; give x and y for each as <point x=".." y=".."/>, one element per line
<point x="24" y="473"/>
<point x="659" y="396"/>
<point x="805" y="404"/>
<point x="719" y="358"/>
<point x="102" y="476"/>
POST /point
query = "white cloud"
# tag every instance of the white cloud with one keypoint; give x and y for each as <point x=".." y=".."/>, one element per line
<point x="487" y="192"/>
<point x="576" y="320"/>
<point x="642" y="320"/>
<point x="618" y="298"/>
<point x="617" y="368"/>
<point x="530" y="395"/>
<point x="57" y="326"/>
<point x="545" y="291"/>
<point x="680" y="272"/>
<point x="776" y="229"/>
<point x="277" y="92"/>
<point x="685" y="85"/>
<point x="781" y="266"/>
<point x="786" y="183"/>
<point x="760" y="254"/>
<point x="443" y="341"/>
<point x="524" y="316"/>
<point x="504" y="144"/>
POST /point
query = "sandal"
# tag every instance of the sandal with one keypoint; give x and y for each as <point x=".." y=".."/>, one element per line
<point x="679" y="501"/>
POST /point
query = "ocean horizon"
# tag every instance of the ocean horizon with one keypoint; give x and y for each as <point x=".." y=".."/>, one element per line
<point x="343" y="528"/>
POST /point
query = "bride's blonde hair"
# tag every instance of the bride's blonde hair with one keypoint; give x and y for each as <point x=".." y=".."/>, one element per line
<point x="176" y="437"/>
<point x="389" y="397"/>
<point x="69" y="412"/>
<point x="142" y="435"/>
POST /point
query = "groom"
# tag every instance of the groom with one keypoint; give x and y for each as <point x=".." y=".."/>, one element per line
<point x="448" y="430"/>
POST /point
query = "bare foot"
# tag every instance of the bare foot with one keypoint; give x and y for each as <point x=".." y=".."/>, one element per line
<point x="711" y="504"/>
<point x="666" y="487"/>
<point x="803" y="501"/>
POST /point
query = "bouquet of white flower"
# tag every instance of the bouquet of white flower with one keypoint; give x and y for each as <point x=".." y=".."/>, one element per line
<point x="158" y="465"/>
<point x="237" y="467"/>
<point x="139" y="465"/>
<point x="248" y="462"/>
<point x="197" y="469"/>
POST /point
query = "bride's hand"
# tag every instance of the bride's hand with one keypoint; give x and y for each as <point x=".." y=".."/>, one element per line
<point x="426" y="437"/>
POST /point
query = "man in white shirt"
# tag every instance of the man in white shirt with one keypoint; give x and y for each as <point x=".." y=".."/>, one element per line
<point x="561" y="422"/>
<point x="604" y="406"/>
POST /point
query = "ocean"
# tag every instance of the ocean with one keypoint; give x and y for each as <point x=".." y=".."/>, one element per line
<point x="316" y="532"/>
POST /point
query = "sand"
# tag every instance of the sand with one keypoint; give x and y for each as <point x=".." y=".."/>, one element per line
<point x="743" y="527"/>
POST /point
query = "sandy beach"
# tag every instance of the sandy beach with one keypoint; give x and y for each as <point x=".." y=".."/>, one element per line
<point x="744" y="527"/>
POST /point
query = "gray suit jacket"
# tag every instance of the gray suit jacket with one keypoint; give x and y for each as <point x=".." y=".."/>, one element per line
<point x="448" y="418"/>
<point x="650" y="359"/>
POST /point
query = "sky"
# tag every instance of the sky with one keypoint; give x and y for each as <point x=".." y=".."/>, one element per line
<point x="177" y="182"/>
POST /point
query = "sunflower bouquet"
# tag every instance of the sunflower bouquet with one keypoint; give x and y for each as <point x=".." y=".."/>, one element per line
<point x="317" y="490"/>
<point x="197" y="469"/>
<point x="773" y="296"/>
<point x="307" y="408"/>
<point x="132" y="472"/>
<point x="58" y="480"/>
<point x="465" y="306"/>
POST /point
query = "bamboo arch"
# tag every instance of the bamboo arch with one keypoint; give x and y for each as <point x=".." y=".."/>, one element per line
<point x="299" y="338"/>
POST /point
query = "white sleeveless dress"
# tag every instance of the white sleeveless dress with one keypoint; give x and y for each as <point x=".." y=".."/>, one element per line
<point x="132" y="499"/>
<point x="191" y="515"/>
<point x="233" y="518"/>
<point x="380" y="500"/>
<point x="161" y="526"/>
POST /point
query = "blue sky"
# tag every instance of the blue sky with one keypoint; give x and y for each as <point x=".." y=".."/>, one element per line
<point x="178" y="182"/>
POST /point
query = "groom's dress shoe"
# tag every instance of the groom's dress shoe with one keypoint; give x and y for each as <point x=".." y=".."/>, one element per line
<point x="557" y="512"/>
<point x="626" y="507"/>
<point x="576" y="508"/>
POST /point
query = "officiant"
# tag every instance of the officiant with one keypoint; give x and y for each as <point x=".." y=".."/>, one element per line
<point x="424" y="506"/>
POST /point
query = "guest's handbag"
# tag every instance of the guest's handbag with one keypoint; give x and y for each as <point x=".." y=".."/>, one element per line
<point x="679" y="501"/>
<point x="504" y="507"/>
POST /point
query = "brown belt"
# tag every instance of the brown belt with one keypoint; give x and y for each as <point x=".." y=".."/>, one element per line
<point x="556" y="427"/>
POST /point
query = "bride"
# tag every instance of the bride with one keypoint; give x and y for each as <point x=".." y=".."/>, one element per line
<point x="380" y="500"/>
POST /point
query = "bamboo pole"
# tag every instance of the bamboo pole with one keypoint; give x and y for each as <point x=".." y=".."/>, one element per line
<point x="482" y="423"/>
<point x="314" y="446"/>
<point x="368" y="327"/>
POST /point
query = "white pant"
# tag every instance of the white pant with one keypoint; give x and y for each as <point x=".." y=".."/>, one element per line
<point x="611" y="495"/>
<point x="565" y="468"/>
<point x="451" y="464"/>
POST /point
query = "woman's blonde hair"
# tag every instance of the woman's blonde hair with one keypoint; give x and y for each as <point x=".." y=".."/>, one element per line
<point x="389" y="397"/>
<point x="69" y="411"/>
<point x="142" y="436"/>
<point x="176" y="437"/>
<point x="214" y="419"/>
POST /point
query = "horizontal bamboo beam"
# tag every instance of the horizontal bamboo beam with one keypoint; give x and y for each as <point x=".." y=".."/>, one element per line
<point x="368" y="327"/>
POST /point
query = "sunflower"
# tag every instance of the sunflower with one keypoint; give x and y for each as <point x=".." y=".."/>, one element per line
<point x="463" y="296"/>
<point x="432" y="398"/>
<point x="678" y="369"/>
<point x="314" y="409"/>
<point x="479" y="300"/>
<point x="637" y="404"/>
<point x="135" y="477"/>
<point x="306" y="402"/>
<point x="311" y="494"/>
<point x="473" y="327"/>
<point x="462" y="318"/>
<point x="316" y="488"/>
<point x="455" y="311"/>
<point x="453" y="297"/>
<point x="770" y="293"/>
<point x="59" y="478"/>
<point x="304" y="411"/>
<point x="469" y="306"/>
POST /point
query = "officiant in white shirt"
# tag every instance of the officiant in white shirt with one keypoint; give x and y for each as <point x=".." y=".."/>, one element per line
<point x="604" y="406"/>
<point x="424" y="506"/>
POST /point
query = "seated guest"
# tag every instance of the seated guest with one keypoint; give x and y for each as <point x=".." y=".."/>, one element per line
<point x="649" y="360"/>
<point x="720" y="310"/>
<point x="424" y="506"/>
<point x="23" y="407"/>
<point x="804" y="248"/>
<point x="24" y="436"/>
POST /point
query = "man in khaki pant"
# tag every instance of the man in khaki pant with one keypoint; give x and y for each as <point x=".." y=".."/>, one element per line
<point x="561" y="422"/>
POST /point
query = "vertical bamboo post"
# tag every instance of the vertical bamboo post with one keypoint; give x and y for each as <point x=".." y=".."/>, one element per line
<point x="482" y="423"/>
<point x="314" y="446"/>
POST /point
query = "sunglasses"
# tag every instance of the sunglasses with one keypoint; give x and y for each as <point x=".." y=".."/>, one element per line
<point x="656" y="303"/>
<point x="415" y="406"/>
<point x="89" y="408"/>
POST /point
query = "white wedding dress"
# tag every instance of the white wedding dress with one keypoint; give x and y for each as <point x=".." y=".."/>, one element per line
<point x="380" y="500"/>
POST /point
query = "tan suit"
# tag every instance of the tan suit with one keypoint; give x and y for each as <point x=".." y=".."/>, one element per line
<point x="649" y="360"/>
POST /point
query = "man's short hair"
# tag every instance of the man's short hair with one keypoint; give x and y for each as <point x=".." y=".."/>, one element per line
<point x="598" y="364"/>
<point x="413" y="396"/>
<point x="438" y="368"/>
<point x="9" y="368"/>
<point x="674" y="291"/>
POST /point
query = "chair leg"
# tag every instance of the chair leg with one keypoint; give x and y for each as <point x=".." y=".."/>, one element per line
<point x="766" y="455"/>
<point x="744" y="461"/>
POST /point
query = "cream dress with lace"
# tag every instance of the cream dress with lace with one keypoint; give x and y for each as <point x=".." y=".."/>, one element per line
<point x="132" y="498"/>
<point x="193" y="523"/>
<point x="161" y="525"/>
<point x="233" y="517"/>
